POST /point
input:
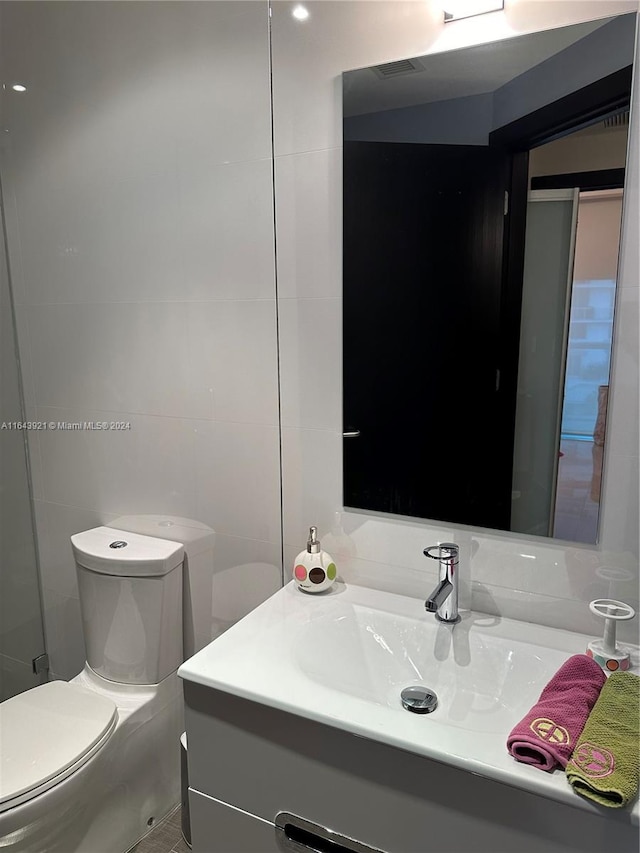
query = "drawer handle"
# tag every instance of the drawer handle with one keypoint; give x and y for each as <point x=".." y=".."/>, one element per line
<point x="302" y="836"/>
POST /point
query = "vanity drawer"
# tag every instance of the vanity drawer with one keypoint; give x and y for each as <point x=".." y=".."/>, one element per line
<point x="219" y="828"/>
<point x="265" y="761"/>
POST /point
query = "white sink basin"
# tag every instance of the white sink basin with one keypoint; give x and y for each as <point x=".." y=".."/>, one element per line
<point x="343" y="657"/>
<point x="483" y="681"/>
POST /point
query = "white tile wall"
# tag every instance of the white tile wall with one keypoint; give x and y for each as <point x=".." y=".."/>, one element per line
<point x="311" y="490"/>
<point x="533" y="579"/>
<point x="247" y="572"/>
<point x="56" y="523"/>
<point x="160" y="358"/>
<point x="311" y="359"/>
<point x="309" y="191"/>
<point x="63" y="631"/>
<point x="243" y="205"/>
<point x="139" y="178"/>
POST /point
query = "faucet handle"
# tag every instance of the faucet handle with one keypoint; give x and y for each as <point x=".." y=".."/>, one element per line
<point x="447" y="552"/>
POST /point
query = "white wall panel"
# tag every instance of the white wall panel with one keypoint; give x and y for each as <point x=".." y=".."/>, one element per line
<point x="140" y="202"/>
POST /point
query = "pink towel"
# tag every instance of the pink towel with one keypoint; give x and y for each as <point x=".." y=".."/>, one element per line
<point x="547" y="735"/>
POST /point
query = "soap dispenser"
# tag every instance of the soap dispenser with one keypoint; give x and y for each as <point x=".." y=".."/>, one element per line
<point x="314" y="569"/>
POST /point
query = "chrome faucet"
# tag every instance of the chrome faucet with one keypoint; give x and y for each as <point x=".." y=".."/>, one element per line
<point x="443" y="601"/>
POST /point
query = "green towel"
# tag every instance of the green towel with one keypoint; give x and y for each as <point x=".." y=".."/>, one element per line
<point x="605" y="763"/>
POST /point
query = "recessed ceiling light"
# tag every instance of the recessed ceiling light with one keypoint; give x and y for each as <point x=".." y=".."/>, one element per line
<point x="300" y="13"/>
<point x="19" y="87"/>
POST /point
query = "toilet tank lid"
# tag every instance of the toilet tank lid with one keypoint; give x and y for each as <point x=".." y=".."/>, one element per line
<point x="117" y="552"/>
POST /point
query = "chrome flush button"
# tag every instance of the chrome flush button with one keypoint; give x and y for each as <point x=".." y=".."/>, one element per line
<point x="118" y="544"/>
<point x="419" y="700"/>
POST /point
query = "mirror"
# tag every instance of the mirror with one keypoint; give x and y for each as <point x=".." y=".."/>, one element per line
<point x="482" y="205"/>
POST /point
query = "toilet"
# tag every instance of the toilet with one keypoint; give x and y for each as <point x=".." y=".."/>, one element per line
<point x="90" y="765"/>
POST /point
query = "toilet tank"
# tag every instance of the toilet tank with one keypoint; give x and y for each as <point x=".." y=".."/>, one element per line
<point x="131" y="601"/>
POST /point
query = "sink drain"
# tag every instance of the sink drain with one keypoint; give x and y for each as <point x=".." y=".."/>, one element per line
<point x="419" y="700"/>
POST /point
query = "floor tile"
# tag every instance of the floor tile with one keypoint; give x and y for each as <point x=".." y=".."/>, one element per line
<point x="166" y="837"/>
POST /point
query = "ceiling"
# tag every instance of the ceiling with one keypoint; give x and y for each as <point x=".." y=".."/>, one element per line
<point x="457" y="73"/>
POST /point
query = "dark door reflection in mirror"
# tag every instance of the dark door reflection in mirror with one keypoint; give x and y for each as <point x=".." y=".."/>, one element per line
<point x="467" y="334"/>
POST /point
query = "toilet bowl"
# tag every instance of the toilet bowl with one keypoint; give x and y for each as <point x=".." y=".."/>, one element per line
<point x="88" y="766"/>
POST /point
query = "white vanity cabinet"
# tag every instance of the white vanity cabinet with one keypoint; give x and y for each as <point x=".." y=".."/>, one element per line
<point x="249" y="762"/>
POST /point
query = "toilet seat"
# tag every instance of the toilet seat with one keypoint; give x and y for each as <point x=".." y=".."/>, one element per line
<point x="47" y="734"/>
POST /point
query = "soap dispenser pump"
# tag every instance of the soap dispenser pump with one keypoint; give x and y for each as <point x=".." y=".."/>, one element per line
<point x="314" y="569"/>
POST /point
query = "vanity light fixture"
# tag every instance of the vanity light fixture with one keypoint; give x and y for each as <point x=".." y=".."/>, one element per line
<point x="456" y="9"/>
<point x="300" y="13"/>
<point x="18" y="87"/>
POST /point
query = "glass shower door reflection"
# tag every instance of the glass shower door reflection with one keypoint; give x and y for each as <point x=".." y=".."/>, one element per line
<point x="21" y="629"/>
<point x="552" y="217"/>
